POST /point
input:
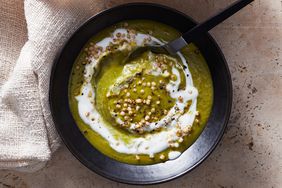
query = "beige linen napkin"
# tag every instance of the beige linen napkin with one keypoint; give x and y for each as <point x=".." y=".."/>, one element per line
<point x="27" y="134"/>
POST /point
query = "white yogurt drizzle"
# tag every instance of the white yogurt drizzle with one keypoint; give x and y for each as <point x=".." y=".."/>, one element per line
<point x="152" y="143"/>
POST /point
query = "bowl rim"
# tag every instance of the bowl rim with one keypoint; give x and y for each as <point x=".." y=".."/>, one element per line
<point x="229" y="101"/>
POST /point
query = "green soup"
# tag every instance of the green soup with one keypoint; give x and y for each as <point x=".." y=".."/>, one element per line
<point x="134" y="97"/>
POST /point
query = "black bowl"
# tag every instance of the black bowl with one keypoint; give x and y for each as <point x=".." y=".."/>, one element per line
<point x="110" y="168"/>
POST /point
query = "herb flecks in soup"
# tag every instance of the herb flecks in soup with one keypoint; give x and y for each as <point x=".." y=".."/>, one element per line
<point x="144" y="110"/>
<point x="147" y="96"/>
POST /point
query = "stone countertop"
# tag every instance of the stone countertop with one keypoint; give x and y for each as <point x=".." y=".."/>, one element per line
<point x="250" y="153"/>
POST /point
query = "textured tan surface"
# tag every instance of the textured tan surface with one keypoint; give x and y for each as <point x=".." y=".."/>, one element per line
<point x="250" y="154"/>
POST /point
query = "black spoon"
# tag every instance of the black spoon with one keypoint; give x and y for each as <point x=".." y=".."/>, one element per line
<point x="174" y="46"/>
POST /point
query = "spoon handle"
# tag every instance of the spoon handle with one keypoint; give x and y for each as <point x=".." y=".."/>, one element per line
<point x="205" y="26"/>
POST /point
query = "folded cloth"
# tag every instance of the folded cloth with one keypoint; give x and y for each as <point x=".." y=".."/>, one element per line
<point x="27" y="134"/>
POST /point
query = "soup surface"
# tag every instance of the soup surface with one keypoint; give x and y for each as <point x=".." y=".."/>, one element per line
<point x="146" y="109"/>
